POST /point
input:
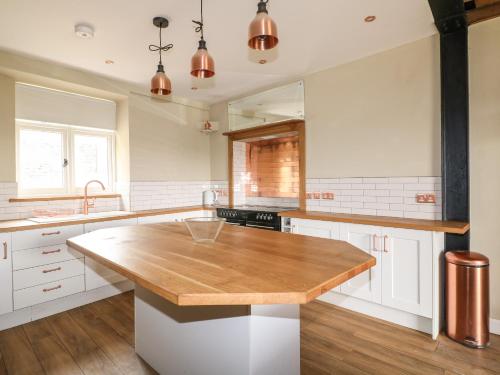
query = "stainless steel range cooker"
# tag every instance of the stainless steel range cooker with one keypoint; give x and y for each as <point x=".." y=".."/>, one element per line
<point x="254" y="216"/>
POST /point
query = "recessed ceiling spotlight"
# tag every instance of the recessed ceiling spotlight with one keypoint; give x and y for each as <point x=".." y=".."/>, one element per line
<point x="370" y="18"/>
<point x="109" y="62"/>
<point x="263" y="61"/>
<point x="84" y="31"/>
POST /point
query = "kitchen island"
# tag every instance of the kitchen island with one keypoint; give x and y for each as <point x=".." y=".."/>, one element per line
<point x="230" y="307"/>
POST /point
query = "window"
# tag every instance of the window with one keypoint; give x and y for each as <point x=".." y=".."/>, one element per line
<point x="58" y="159"/>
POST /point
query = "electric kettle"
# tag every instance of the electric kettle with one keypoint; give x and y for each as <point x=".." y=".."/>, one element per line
<point x="209" y="197"/>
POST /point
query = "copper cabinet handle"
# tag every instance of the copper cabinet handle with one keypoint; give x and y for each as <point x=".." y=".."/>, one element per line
<point x="46" y="252"/>
<point x="51" y="233"/>
<point x="5" y="250"/>
<point x="54" y="288"/>
<point x="52" y="270"/>
<point x="385" y="244"/>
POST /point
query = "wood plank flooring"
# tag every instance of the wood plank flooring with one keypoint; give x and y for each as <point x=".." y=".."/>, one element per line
<point x="98" y="339"/>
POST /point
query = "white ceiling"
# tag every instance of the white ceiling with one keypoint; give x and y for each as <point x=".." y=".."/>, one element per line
<point x="314" y="35"/>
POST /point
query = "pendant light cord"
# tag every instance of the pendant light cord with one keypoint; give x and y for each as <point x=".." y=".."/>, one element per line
<point x="160" y="48"/>
<point x="200" y="23"/>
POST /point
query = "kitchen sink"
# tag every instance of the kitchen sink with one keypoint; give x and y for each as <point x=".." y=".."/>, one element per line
<point x="93" y="215"/>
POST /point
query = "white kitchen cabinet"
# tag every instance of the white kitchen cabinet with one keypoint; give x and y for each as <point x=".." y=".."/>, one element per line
<point x="29" y="239"/>
<point x="5" y="273"/>
<point x="97" y="275"/>
<point x="367" y="285"/>
<point x="407" y="270"/>
<point x="315" y="228"/>
<point x="403" y="287"/>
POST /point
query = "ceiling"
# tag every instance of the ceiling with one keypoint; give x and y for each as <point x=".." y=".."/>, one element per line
<point x="314" y="35"/>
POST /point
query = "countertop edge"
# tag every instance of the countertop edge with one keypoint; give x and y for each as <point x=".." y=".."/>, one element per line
<point x="454" y="227"/>
<point x="24" y="224"/>
<point x="228" y="298"/>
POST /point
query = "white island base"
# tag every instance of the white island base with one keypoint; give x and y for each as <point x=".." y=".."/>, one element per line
<point x="216" y="340"/>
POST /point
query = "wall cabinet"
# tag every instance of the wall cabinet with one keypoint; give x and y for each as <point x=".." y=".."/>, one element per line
<point x="97" y="275"/>
<point x="403" y="276"/>
<point x="6" y="304"/>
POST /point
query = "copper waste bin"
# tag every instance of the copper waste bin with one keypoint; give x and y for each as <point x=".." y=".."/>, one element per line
<point x="467" y="298"/>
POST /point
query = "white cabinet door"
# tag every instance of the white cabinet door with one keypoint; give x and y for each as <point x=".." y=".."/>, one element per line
<point x="407" y="270"/>
<point x="5" y="273"/>
<point x="316" y="228"/>
<point x="367" y="285"/>
<point x="97" y="275"/>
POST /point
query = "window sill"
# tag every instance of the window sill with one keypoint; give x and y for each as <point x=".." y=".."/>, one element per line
<point x="61" y="198"/>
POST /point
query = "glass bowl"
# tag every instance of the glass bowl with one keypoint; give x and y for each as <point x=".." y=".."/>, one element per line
<point x="204" y="229"/>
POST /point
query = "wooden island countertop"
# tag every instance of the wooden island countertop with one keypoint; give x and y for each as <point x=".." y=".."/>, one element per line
<point x="245" y="266"/>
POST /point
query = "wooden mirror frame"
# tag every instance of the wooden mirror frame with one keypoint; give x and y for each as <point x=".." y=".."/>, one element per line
<point x="279" y="128"/>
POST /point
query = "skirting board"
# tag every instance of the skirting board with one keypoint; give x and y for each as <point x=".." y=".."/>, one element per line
<point x="495" y="326"/>
<point x="45" y="309"/>
<point x="402" y="318"/>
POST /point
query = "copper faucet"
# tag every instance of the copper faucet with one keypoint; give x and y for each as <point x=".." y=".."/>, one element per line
<point x="86" y="203"/>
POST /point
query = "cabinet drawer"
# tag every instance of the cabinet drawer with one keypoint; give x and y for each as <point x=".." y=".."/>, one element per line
<point x="48" y="292"/>
<point x="30" y="239"/>
<point x="43" y="255"/>
<point x="44" y="274"/>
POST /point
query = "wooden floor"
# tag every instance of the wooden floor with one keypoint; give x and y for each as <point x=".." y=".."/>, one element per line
<point x="99" y="339"/>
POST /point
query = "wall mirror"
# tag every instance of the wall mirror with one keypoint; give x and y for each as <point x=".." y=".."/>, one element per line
<point x="270" y="106"/>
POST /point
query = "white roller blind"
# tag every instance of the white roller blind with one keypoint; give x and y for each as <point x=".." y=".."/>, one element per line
<point x="41" y="104"/>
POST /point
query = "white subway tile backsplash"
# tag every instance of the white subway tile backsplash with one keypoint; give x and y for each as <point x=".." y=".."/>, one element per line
<point x="420" y="187"/>
<point x="403" y="180"/>
<point x="377" y="193"/>
<point x="377" y="206"/>
<point x="364" y="211"/>
<point x="390" y="199"/>
<point x="389" y="186"/>
<point x="375" y="180"/>
<point x="393" y="213"/>
<point x="386" y="196"/>
<point x="429" y="180"/>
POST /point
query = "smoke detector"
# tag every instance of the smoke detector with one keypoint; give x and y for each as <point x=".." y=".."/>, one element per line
<point x="84" y="31"/>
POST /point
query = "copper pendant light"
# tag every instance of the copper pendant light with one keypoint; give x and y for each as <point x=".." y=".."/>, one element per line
<point x="160" y="83"/>
<point x="263" y="32"/>
<point x="202" y="64"/>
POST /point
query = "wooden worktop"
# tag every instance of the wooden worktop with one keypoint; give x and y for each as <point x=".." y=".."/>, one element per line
<point x="244" y="266"/>
<point x="24" y="224"/>
<point x="456" y="227"/>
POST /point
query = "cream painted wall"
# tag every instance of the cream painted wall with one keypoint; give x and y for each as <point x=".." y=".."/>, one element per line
<point x="378" y="116"/>
<point x="484" y="63"/>
<point x="7" y="129"/>
<point x="165" y="143"/>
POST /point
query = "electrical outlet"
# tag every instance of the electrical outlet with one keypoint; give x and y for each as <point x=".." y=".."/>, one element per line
<point x="328" y="196"/>
<point x="426" y="198"/>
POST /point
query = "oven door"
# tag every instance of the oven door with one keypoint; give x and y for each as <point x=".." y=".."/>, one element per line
<point x="235" y="222"/>
<point x="253" y="224"/>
